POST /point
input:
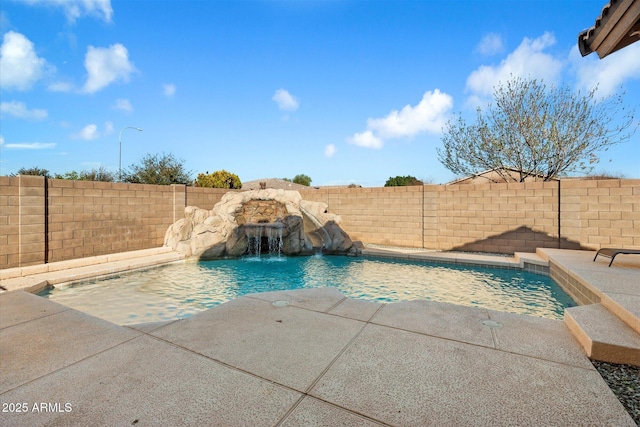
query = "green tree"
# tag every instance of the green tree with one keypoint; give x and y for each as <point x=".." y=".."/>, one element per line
<point x="99" y="174"/>
<point x="33" y="171"/>
<point x="401" y="181"/>
<point x="302" y="179"/>
<point x="537" y="131"/>
<point x="218" y="179"/>
<point x="160" y="169"/>
<point x="73" y="176"/>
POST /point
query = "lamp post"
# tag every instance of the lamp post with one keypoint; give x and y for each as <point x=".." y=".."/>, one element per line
<point x="120" y="157"/>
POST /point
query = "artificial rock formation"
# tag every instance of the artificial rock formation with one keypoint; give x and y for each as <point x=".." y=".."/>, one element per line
<point x="298" y="227"/>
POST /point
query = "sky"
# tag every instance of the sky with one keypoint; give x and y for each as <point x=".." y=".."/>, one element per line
<point x="346" y="92"/>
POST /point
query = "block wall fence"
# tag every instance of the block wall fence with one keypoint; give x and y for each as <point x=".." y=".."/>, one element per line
<point x="46" y="220"/>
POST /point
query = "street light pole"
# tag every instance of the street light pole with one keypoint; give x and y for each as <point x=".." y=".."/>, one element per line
<point x="120" y="157"/>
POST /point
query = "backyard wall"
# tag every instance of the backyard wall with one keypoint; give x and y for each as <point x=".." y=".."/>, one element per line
<point x="52" y="220"/>
<point x="385" y="215"/>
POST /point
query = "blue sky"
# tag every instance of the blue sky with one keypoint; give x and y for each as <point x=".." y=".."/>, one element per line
<point x="342" y="91"/>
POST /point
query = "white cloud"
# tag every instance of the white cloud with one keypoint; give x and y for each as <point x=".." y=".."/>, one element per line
<point x="106" y="66"/>
<point x="108" y="127"/>
<point x="169" y="89"/>
<point x="1" y="140"/>
<point x="60" y="87"/>
<point x="20" y="110"/>
<point x="491" y="44"/>
<point x="30" y="145"/>
<point x="20" y="66"/>
<point x="608" y="73"/>
<point x="528" y="60"/>
<point x="88" y="133"/>
<point x="123" y="105"/>
<point x="330" y="150"/>
<point x="366" y="139"/>
<point x="74" y="9"/>
<point x="429" y="115"/>
<point x="285" y="100"/>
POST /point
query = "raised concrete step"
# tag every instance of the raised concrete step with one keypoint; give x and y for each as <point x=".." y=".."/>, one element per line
<point x="603" y="335"/>
<point x="626" y="307"/>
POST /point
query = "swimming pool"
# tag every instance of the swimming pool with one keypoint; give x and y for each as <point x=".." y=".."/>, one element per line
<point x="181" y="290"/>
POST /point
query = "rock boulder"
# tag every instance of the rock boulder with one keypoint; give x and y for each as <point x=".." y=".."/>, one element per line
<point x="301" y="226"/>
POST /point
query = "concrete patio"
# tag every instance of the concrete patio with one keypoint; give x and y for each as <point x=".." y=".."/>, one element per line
<point x="314" y="357"/>
<point x="307" y="357"/>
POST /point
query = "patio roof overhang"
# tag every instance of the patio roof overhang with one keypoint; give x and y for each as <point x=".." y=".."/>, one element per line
<point x="617" y="26"/>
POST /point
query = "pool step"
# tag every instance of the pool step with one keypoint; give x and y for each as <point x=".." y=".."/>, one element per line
<point x="603" y="335"/>
<point x="38" y="277"/>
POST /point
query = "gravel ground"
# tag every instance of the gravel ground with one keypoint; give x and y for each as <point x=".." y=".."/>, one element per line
<point x="624" y="381"/>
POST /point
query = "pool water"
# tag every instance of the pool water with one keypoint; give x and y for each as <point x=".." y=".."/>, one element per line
<point x="181" y="290"/>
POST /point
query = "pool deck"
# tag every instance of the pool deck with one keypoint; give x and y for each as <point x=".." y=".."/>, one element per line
<point x="310" y="357"/>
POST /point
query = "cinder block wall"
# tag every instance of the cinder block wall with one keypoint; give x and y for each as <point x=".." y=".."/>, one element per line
<point x="9" y="221"/>
<point x="602" y="213"/>
<point x="204" y="198"/>
<point x="384" y="216"/>
<point x="89" y="218"/>
<point x="22" y="224"/>
<point x="82" y="218"/>
<point x="502" y="218"/>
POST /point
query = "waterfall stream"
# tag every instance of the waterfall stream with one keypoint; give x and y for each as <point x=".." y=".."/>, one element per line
<point x="264" y="235"/>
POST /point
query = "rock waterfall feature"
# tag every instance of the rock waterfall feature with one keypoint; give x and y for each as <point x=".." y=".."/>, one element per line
<point x="258" y="221"/>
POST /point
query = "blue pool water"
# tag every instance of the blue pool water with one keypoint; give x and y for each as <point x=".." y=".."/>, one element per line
<point x="180" y="290"/>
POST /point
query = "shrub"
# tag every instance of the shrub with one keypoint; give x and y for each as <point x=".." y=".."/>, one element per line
<point x="302" y="179"/>
<point x="401" y="181"/>
<point x="218" y="179"/>
<point x="33" y="171"/>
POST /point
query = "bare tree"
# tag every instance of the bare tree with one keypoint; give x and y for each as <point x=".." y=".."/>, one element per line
<point x="538" y="131"/>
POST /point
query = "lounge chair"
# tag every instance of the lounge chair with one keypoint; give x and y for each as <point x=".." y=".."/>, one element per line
<point x="611" y="253"/>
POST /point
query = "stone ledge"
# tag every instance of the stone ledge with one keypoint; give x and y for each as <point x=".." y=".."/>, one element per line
<point x="10" y="273"/>
<point x="92" y="267"/>
<point x="28" y="284"/>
